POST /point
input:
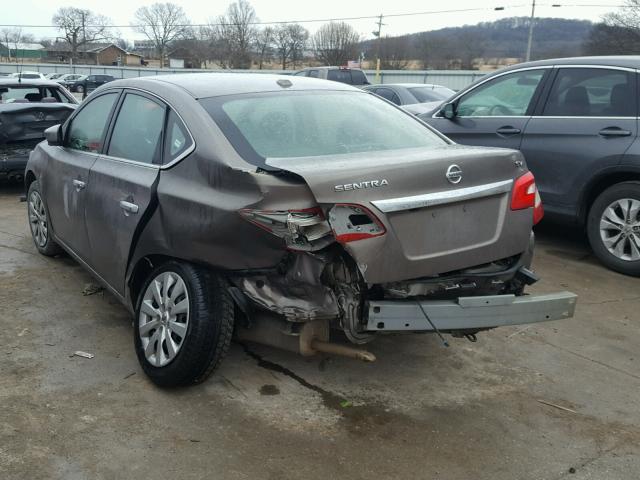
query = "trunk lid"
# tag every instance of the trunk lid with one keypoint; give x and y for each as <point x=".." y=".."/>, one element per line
<point x="28" y="121"/>
<point x="443" y="208"/>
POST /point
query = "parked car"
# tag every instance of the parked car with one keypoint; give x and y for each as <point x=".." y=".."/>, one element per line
<point x="74" y="80"/>
<point x="575" y="120"/>
<point x="415" y="98"/>
<point x="27" y="109"/>
<point x="91" y="82"/>
<point x="285" y="206"/>
<point x="26" y="75"/>
<point x="350" y="76"/>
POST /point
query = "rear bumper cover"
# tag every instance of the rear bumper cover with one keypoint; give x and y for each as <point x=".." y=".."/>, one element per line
<point x="469" y="313"/>
<point x="14" y="165"/>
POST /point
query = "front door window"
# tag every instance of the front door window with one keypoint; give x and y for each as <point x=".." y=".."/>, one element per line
<point x="505" y="96"/>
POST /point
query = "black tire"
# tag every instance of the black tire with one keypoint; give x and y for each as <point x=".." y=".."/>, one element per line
<point x="209" y="328"/>
<point x="625" y="190"/>
<point x="49" y="247"/>
<point x="80" y="89"/>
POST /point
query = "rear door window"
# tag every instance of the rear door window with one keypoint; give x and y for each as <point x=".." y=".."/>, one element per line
<point x="358" y="77"/>
<point x="592" y="92"/>
<point x="137" y="133"/>
<point x="87" y="129"/>
<point x="338" y="75"/>
<point x="313" y="73"/>
<point x="177" y="140"/>
<point x="388" y="94"/>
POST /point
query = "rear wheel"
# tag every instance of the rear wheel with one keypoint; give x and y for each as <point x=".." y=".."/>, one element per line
<point x="38" y="214"/>
<point x="184" y="324"/>
<point x="80" y="89"/>
<point x="613" y="227"/>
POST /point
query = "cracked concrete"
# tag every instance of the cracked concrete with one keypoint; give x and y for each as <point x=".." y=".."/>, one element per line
<point x="421" y="411"/>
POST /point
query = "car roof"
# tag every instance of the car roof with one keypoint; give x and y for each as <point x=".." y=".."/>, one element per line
<point x="330" y="68"/>
<point x="627" y="61"/>
<point x="28" y="82"/>
<point x="204" y="85"/>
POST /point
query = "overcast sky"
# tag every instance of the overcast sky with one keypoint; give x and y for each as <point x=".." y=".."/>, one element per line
<point x="199" y="11"/>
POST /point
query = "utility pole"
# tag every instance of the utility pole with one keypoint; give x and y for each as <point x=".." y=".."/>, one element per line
<point x="531" y="21"/>
<point x="377" y="34"/>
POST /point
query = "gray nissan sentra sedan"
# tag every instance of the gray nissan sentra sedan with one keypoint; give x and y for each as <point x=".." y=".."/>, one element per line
<point x="281" y="208"/>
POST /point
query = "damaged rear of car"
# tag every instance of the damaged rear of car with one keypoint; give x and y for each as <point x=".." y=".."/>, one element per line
<point x="285" y="209"/>
<point x="27" y="109"/>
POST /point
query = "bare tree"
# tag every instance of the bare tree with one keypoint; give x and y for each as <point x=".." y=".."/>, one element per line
<point x="241" y="19"/>
<point x="468" y="47"/>
<point x="611" y="40"/>
<point x="393" y="53"/>
<point x="10" y="37"/>
<point x="619" y="32"/>
<point x="162" y="23"/>
<point x="290" y="41"/>
<point x="80" y="27"/>
<point x="264" y="45"/>
<point x="335" y="43"/>
<point x="435" y="51"/>
<point x="233" y="35"/>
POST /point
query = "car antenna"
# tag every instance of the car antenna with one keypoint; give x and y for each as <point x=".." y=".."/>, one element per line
<point x="433" y="325"/>
<point x="20" y="64"/>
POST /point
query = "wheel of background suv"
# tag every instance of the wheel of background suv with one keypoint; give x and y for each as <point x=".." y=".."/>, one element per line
<point x="184" y="324"/>
<point x="80" y="89"/>
<point x="613" y="227"/>
<point x="38" y="215"/>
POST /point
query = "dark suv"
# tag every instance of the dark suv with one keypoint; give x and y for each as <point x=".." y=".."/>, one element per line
<point x="350" y="76"/>
<point x="92" y="82"/>
<point x="575" y="120"/>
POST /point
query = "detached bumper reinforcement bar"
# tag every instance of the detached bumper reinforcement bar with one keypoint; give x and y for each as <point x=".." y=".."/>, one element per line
<point x="470" y="312"/>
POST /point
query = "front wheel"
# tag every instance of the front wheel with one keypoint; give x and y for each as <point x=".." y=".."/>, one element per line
<point x="80" y="89"/>
<point x="613" y="227"/>
<point x="184" y="324"/>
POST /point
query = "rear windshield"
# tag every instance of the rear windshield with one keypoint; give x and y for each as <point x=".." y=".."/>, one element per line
<point x="342" y="76"/>
<point x="32" y="94"/>
<point x="430" y="94"/>
<point x="315" y="123"/>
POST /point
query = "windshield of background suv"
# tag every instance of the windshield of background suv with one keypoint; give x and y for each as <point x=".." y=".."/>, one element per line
<point x="315" y="123"/>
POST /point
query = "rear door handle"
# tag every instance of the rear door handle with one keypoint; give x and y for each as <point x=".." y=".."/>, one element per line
<point x="508" y="131"/>
<point x="614" y="132"/>
<point x="79" y="184"/>
<point x="128" y="207"/>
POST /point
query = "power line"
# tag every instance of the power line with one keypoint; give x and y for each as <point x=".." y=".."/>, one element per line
<point x="337" y="19"/>
<point x="279" y="22"/>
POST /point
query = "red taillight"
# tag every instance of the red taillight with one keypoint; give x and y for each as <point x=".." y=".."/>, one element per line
<point x="299" y="228"/>
<point x="352" y="222"/>
<point x="525" y="195"/>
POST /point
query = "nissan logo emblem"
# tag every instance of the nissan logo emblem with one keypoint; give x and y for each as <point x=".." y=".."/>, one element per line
<point x="454" y="174"/>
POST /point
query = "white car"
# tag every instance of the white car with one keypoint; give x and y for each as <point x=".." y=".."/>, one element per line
<point x="29" y="75"/>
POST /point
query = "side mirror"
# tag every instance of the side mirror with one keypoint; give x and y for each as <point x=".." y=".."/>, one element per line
<point x="53" y="135"/>
<point x="448" y="111"/>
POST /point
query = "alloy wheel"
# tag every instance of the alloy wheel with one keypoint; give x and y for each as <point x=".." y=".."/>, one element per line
<point x="620" y="229"/>
<point x="164" y="318"/>
<point x="38" y="219"/>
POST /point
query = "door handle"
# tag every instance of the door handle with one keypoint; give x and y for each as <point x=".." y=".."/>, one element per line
<point x="614" y="132"/>
<point x="79" y="185"/>
<point x="128" y="207"/>
<point x="508" y="131"/>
